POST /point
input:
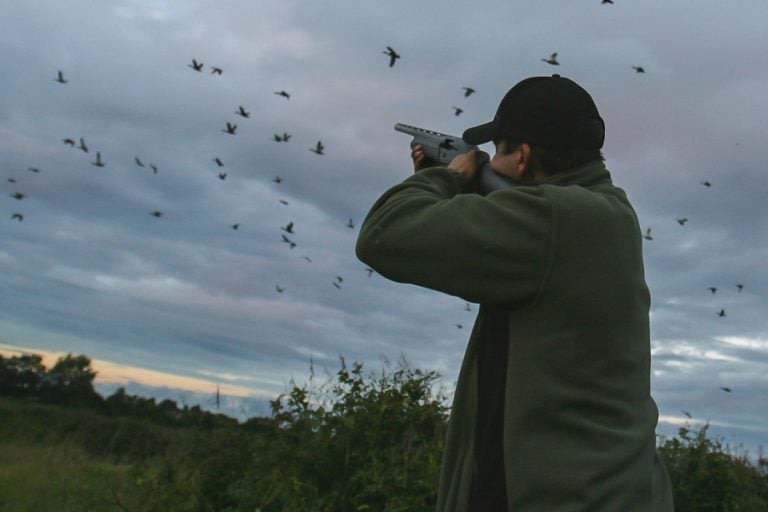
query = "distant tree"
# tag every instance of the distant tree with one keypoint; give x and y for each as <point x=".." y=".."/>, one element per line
<point x="21" y="376"/>
<point x="70" y="381"/>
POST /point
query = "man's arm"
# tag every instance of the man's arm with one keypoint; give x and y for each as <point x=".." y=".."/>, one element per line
<point x="428" y="231"/>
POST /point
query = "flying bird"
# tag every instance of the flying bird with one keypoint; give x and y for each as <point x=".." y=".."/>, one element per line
<point x="11" y="180"/>
<point x="459" y="326"/>
<point x="740" y="286"/>
<point x="721" y="313"/>
<point x="242" y="112"/>
<point x="687" y="414"/>
<point x="235" y="226"/>
<point x="17" y="216"/>
<point x="18" y="196"/>
<point x="222" y="176"/>
<point x="552" y="60"/>
<point x="82" y="145"/>
<point x="216" y="70"/>
<point x="138" y="161"/>
<point x="288" y="241"/>
<point x="69" y="142"/>
<point x="60" y="78"/>
<point x="286" y="137"/>
<point x="727" y="390"/>
<point x="277" y="138"/>
<point x="283" y="94"/>
<point x="393" y="55"/>
<point x="279" y="290"/>
<point x="638" y="69"/>
<point x="230" y="129"/>
<point x="33" y="169"/>
<point x="98" y="162"/>
<point x="706" y="183"/>
<point x="606" y="2"/>
<point x="218" y="162"/>
<point x="350" y="223"/>
<point x="647" y="234"/>
<point x="197" y="66"/>
<point x="712" y="289"/>
<point x="457" y="111"/>
<point x="467" y="307"/>
<point x="369" y="270"/>
<point x="318" y="148"/>
<point x="288" y="228"/>
<point x="307" y="258"/>
<point x="277" y="179"/>
<point x="156" y="213"/>
<point x="154" y="168"/>
<point x="283" y="201"/>
<point x="468" y="91"/>
<point x="682" y="221"/>
<point x="337" y="285"/>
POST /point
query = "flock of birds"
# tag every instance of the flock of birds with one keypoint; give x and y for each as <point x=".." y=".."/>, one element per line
<point x="682" y="222"/>
<point x="288" y="230"/>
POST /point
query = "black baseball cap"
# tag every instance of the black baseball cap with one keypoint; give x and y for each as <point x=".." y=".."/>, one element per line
<point x="549" y="111"/>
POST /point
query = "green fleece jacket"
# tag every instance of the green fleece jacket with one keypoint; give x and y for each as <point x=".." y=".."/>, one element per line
<point x="563" y="259"/>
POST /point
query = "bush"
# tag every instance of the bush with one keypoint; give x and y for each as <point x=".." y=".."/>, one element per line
<point x="706" y="478"/>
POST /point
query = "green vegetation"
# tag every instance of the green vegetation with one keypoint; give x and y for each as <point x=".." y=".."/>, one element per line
<point x="356" y="442"/>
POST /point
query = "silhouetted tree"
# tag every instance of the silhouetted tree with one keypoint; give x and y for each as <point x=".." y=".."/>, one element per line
<point x="21" y="376"/>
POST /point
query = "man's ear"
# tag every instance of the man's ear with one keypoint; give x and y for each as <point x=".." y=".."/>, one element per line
<point x="525" y="157"/>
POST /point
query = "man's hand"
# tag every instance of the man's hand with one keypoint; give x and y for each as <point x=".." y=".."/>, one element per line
<point x="468" y="163"/>
<point x="420" y="160"/>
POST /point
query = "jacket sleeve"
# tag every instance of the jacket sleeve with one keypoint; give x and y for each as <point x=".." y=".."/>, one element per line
<point x="427" y="231"/>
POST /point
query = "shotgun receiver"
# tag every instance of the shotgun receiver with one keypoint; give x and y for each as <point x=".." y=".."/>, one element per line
<point x="442" y="148"/>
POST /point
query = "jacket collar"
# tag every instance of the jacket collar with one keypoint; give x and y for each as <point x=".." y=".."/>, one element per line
<point x="587" y="175"/>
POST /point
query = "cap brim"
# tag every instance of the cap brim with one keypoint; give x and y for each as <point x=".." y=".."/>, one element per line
<point x="480" y="134"/>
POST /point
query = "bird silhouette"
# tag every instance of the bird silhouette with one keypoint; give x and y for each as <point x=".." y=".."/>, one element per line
<point x="706" y="183"/>
<point x="11" y="180"/>
<point x="230" y="129"/>
<point x="283" y="94"/>
<point x="307" y="258"/>
<point x="457" y="111"/>
<point x="17" y="216"/>
<point x="552" y="60"/>
<point x="138" y="162"/>
<point x="647" y="234"/>
<point x="712" y="289"/>
<point x="69" y="142"/>
<point x="216" y="70"/>
<point x="153" y="167"/>
<point x="222" y="176"/>
<point x="277" y="179"/>
<point x="393" y="55"/>
<point x="350" y="223"/>
<point x="740" y="286"/>
<point x="721" y="313"/>
<point x="286" y="137"/>
<point x="279" y="290"/>
<point x="60" y="78"/>
<point x="467" y="307"/>
<point x="235" y="226"/>
<point x="369" y="270"/>
<point x="606" y="2"/>
<point x="242" y="112"/>
<point x="82" y="145"/>
<point x="218" y="162"/>
<point x="197" y="66"/>
<point x="459" y="326"/>
<point x="283" y="201"/>
<point x="726" y="389"/>
<point x="638" y="69"/>
<point x="468" y="91"/>
<point x="682" y="221"/>
<point x="288" y="228"/>
<point x="277" y="138"/>
<point x="98" y="162"/>
<point x="18" y="196"/>
<point x="337" y="285"/>
<point x="288" y="241"/>
<point x="687" y="414"/>
<point x="156" y="213"/>
<point x="33" y="169"/>
<point x="318" y="148"/>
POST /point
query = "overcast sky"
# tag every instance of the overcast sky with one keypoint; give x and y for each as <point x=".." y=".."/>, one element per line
<point x="186" y="302"/>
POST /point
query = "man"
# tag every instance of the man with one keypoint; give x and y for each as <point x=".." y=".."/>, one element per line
<point x="552" y="409"/>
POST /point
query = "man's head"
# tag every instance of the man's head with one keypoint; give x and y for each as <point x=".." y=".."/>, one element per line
<point x="552" y="121"/>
